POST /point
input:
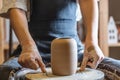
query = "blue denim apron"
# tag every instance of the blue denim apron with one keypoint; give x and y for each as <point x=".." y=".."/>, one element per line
<point x="52" y="19"/>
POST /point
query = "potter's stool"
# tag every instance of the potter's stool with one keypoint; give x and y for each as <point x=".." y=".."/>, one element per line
<point x="88" y="74"/>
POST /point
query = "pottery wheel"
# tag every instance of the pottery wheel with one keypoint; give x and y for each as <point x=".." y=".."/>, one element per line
<point x="88" y="74"/>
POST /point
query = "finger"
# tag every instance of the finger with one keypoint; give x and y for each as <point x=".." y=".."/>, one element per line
<point x="93" y="64"/>
<point x="21" y="62"/>
<point x="28" y="63"/>
<point x="96" y="62"/>
<point x="32" y="64"/>
<point x="41" y="65"/>
<point x="84" y="63"/>
<point x="99" y="61"/>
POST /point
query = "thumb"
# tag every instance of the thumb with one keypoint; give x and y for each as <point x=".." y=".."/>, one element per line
<point x="84" y="63"/>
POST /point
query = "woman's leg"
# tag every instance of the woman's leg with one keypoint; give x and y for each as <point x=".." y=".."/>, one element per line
<point x="111" y="68"/>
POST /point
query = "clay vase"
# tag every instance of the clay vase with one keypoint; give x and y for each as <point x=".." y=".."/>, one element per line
<point x="63" y="56"/>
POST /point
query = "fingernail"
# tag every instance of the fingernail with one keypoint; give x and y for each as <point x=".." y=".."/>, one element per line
<point x="44" y="70"/>
<point x="82" y="69"/>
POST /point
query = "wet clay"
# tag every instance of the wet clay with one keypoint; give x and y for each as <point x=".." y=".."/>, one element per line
<point x="64" y="56"/>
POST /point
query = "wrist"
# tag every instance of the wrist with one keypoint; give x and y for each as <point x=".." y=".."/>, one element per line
<point x="29" y="46"/>
<point x="91" y="43"/>
<point x="27" y="42"/>
<point x="91" y="40"/>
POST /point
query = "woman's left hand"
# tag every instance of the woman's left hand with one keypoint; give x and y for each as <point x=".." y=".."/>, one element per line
<point x="92" y="56"/>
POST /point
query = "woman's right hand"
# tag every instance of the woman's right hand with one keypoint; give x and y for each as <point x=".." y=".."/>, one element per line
<point x="31" y="59"/>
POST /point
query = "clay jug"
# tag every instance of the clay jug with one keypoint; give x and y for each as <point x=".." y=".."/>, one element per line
<point x="63" y="56"/>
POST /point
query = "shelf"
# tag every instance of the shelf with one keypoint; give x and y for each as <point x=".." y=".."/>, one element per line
<point x="114" y="45"/>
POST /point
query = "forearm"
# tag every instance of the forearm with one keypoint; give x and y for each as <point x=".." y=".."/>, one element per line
<point x="89" y="9"/>
<point x="30" y="57"/>
<point x="20" y="26"/>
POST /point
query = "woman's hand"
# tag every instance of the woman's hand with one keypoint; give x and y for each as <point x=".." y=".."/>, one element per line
<point x="92" y="56"/>
<point x="30" y="58"/>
